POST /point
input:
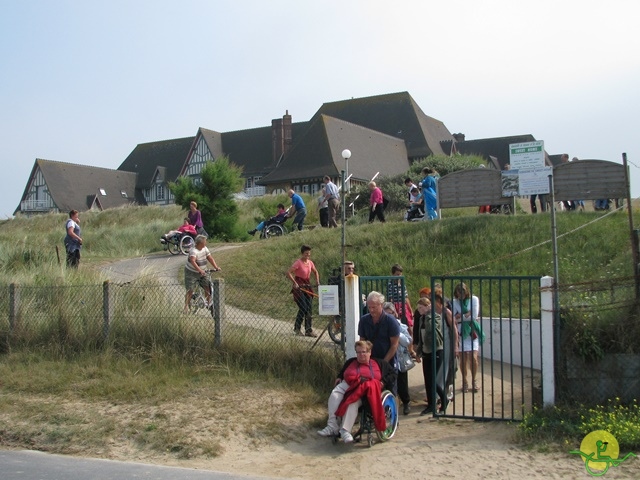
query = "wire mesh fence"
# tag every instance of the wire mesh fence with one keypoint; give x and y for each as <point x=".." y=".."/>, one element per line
<point x="598" y="354"/>
<point x="132" y="315"/>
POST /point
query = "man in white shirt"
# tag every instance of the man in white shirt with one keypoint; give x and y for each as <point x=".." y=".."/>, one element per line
<point x="333" y="199"/>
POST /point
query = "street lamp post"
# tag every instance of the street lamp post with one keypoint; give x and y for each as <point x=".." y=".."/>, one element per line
<point x="346" y="154"/>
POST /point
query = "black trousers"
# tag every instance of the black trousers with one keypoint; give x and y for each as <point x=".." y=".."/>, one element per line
<point x="403" y="387"/>
<point x="73" y="259"/>
<point x="427" y="372"/>
<point x="303" y="300"/>
<point x="377" y="212"/>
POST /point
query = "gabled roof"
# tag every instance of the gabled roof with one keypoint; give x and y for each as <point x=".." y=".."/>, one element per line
<point x="252" y="149"/>
<point x="395" y="114"/>
<point x="319" y="152"/>
<point x="495" y="150"/>
<point x="73" y="186"/>
<point x="144" y="159"/>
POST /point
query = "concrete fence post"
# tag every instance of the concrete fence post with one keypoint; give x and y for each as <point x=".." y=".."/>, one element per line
<point x="218" y="309"/>
<point x="106" y="310"/>
<point x="547" y="315"/>
<point x="14" y="301"/>
<point x="351" y="313"/>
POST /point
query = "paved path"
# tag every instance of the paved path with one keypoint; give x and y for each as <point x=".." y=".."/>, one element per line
<point x="31" y="465"/>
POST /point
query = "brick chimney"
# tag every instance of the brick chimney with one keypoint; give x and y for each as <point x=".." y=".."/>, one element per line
<point x="459" y="137"/>
<point x="281" y="136"/>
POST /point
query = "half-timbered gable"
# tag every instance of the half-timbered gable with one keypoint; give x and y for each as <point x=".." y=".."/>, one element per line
<point x="61" y="187"/>
<point x="207" y="146"/>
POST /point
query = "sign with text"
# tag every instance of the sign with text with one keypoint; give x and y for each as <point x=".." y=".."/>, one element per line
<point x="526" y="156"/>
<point x="528" y="160"/>
<point x="534" y="182"/>
<point x="329" y="302"/>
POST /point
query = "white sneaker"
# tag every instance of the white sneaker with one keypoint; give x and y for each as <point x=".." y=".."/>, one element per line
<point x="326" y="432"/>
<point x="346" y="436"/>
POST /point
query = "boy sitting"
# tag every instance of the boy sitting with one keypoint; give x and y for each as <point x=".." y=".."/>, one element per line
<point x="279" y="217"/>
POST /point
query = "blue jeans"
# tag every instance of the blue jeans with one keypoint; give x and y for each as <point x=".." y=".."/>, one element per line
<point x="299" y="218"/>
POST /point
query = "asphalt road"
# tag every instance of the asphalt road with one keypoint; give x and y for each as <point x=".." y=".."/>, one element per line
<point x="32" y="465"/>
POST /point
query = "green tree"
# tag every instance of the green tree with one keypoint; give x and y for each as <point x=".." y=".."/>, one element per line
<point x="219" y="181"/>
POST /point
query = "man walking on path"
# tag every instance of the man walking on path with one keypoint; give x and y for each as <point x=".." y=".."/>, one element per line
<point x="333" y="199"/>
<point x="299" y="209"/>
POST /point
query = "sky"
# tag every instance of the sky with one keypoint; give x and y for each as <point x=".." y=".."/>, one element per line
<point x="85" y="81"/>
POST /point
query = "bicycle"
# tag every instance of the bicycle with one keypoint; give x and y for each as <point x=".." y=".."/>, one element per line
<point x="199" y="298"/>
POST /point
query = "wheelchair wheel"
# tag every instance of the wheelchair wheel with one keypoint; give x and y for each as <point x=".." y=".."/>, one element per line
<point x="173" y="246"/>
<point x="186" y="242"/>
<point x="335" y="329"/>
<point x="274" y="230"/>
<point x="391" y="413"/>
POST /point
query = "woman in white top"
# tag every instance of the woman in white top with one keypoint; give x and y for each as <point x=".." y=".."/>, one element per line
<point x="466" y="309"/>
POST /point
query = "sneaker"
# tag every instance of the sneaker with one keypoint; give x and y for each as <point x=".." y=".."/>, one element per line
<point x="311" y="334"/>
<point x="346" y="436"/>
<point x="327" y="432"/>
<point x="298" y="333"/>
<point x="406" y="409"/>
<point x="450" y="393"/>
<point x="252" y="232"/>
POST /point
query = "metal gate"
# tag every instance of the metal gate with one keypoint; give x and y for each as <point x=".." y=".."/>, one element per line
<point x="509" y="347"/>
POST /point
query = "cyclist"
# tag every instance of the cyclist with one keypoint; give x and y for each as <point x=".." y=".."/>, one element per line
<point x="194" y="270"/>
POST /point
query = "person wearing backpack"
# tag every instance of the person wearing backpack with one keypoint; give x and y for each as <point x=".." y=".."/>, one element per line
<point x="376" y="203"/>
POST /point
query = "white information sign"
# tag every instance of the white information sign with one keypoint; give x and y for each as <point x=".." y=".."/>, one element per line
<point x="534" y="182"/>
<point x="329" y="302"/>
<point x="528" y="160"/>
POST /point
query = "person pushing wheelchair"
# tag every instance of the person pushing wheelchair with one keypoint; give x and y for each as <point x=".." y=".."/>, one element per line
<point x="360" y="377"/>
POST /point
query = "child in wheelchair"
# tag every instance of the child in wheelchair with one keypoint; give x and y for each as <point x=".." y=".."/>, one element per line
<point x="279" y="218"/>
<point x="361" y="379"/>
<point x="185" y="228"/>
<point x="415" y="209"/>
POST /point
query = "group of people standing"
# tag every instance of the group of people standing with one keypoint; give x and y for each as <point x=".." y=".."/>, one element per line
<point x="438" y="336"/>
<point x="329" y="203"/>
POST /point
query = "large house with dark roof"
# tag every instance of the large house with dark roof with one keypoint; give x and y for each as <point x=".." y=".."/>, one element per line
<point x="385" y="133"/>
<point x="62" y="187"/>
